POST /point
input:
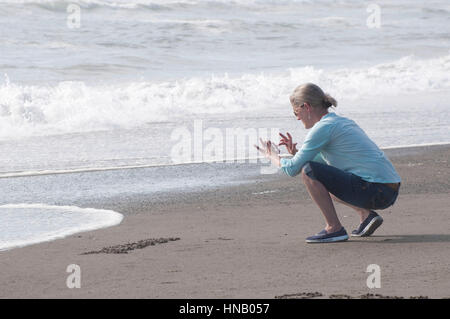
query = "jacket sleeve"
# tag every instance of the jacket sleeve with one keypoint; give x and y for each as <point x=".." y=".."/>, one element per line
<point x="315" y="141"/>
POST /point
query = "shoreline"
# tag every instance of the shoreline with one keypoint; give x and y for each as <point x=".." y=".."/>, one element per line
<point x="247" y="241"/>
<point x="225" y="161"/>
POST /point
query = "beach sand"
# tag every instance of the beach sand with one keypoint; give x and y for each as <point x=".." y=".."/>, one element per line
<point x="248" y="241"/>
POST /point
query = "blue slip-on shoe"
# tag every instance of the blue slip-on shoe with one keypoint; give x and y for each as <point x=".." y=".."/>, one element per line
<point x="324" y="237"/>
<point x="368" y="226"/>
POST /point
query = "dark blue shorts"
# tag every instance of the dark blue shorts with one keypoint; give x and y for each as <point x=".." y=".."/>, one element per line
<point x="351" y="188"/>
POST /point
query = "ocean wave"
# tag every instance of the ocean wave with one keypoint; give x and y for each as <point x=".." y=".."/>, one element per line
<point x="334" y="22"/>
<point x="61" y="5"/>
<point x="155" y="5"/>
<point x="158" y="5"/>
<point x="68" y="107"/>
<point x="26" y="224"/>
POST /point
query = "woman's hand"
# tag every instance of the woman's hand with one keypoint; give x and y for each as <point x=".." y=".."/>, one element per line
<point x="270" y="150"/>
<point x="287" y="141"/>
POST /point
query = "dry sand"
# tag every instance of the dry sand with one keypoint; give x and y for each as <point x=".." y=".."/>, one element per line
<point x="248" y="242"/>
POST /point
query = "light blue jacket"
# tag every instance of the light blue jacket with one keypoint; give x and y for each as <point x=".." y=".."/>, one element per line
<point x="340" y="142"/>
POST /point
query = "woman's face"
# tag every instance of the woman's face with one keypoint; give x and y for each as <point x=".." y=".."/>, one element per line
<point x="303" y="113"/>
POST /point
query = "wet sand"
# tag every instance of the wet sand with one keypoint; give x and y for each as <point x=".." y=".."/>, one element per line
<point x="247" y="241"/>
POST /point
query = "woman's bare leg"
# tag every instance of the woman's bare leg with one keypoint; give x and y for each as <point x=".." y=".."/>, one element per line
<point x="363" y="213"/>
<point x="321" y="196"/>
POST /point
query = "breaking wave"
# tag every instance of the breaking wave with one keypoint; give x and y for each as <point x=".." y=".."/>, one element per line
<point x="68" y="107"/>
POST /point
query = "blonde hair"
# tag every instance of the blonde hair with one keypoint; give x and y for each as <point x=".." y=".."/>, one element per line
<point x="313" y="95"/>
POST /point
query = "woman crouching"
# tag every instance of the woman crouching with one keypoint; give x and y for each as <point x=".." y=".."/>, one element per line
<point x="337" y="160"/>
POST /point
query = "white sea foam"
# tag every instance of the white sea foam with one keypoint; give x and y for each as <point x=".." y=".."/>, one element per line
<point x="76" y="107"/>
<point x="26" y="224"/>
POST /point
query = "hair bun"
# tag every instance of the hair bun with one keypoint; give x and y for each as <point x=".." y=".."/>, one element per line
<point x="311" y="93"/>
<point x="329" y="101"/>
